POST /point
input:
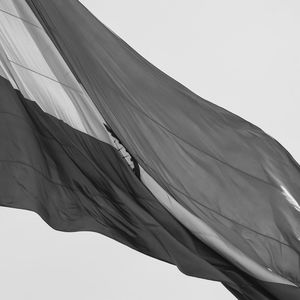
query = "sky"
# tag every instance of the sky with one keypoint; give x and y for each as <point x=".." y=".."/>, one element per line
<point x="241" y="55"/>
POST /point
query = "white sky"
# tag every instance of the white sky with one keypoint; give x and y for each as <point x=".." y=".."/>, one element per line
<point x="241" y="55"/>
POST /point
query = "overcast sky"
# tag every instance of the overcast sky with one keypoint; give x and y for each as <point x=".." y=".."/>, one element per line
<point x="241" y="55"/>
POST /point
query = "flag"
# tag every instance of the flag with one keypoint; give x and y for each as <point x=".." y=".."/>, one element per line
<point x="94" y="137"/>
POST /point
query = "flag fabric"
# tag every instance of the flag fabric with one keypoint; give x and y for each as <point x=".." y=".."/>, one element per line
<point x="94" y="137"/>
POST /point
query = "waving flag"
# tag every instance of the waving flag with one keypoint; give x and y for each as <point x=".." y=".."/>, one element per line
<point x="94" y="137"/>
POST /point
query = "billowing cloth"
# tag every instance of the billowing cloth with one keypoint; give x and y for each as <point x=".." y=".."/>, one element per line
<point x="229" y="190"/>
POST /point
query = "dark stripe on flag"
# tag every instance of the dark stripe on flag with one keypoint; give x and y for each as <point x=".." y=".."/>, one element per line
<point x="75" y="182"/>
